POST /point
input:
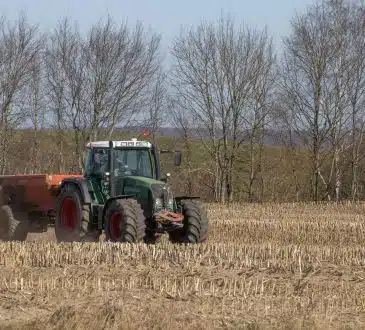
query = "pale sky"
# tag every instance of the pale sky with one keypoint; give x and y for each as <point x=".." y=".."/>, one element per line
<point x="162" y="16"/>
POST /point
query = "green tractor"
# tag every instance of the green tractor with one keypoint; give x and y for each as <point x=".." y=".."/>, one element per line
<point x="123" y="193"/>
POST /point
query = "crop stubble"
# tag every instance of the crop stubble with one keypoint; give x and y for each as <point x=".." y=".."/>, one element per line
<point x="270" y="265"/>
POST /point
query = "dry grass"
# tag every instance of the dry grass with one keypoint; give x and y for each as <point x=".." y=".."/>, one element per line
<point x="287" y="266"/>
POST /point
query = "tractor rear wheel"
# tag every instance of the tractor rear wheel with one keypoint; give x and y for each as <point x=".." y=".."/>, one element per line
<point x="124" y="221"/>
<point x="14" y="226"/>
<point x="196" y="224"/>
<point x="72" y="222"/>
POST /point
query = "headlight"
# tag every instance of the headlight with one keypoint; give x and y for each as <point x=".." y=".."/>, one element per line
<point x="170" y="199"/>
<point x="158" y="203"/>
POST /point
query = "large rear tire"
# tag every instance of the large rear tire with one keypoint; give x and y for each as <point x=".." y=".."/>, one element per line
<point x="124" y="221"/>
<point x="196" y="224"/>
<point x="2" y="196"/>
<point x="72" y="223"/>
<point x="14" y="226"/>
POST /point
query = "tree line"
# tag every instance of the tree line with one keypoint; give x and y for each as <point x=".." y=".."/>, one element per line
<point x="226" y="81"/>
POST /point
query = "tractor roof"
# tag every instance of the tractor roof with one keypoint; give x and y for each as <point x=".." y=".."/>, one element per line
<point x="119" y="144"/>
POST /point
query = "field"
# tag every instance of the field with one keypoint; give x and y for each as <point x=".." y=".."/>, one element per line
<point x="286" y="266"/>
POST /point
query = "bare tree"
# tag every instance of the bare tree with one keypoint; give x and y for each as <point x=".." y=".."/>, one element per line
<point x="67" y="85"/>
<point x="121" y="65"/>
<point x="183" y="123"/>
<point x="19" y="46"/>
<point x="157" y="105"/>
<point x="323" y="76"/>
<point x="336" y="85"/>
<point x="215" y="76"/>
<point x="356" y="91"/>
<point x="56" y="57"/>
<point x="257" y="116"/>
<point x="98" y="82"/>
<point x="34" y="105"/>
<point x="307" y="53"/>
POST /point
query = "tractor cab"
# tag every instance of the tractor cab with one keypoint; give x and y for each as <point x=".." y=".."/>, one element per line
<point x="119" y="165"/>
<point x="124" y="158"/>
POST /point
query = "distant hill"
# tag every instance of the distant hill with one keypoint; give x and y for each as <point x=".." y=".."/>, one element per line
<point x="272" y="137"/>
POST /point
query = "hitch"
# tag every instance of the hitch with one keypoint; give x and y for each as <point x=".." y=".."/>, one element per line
<point x="169" y="218"/>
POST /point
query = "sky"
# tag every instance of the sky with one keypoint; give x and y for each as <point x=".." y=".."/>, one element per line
<point x="165" y="17"/>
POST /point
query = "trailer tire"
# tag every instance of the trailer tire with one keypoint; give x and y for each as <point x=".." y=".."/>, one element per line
<point x="72" y="223"/>
<point x="13" y="227"/>
<point x="2" y="196"/>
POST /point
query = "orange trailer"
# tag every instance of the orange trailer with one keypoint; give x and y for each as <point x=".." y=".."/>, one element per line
<point x="31" y="198"/>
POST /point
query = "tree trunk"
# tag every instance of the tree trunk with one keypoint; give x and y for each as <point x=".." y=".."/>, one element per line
<point x="315" y="186"/>
<point x="252" y="171"/>
<point x="338" y="174"/>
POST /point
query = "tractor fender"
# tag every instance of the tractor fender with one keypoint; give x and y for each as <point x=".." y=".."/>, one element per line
<point x="81" y="184"/>
<point x="179" y="198"/>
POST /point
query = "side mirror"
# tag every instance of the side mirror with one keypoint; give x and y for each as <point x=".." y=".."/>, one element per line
<point x="177" y="158"/>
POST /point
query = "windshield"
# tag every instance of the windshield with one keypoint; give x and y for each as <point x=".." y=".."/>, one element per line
<point x="133" y="162"/>
<point x="126" y="162"/>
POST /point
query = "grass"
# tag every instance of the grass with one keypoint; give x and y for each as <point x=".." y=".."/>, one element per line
<point x="285" y="266"/>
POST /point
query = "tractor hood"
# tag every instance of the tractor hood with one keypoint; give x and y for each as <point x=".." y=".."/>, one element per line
<point x="141" y="186"/>
<point x="142" y="180"/>
<point x="147" y="191"/>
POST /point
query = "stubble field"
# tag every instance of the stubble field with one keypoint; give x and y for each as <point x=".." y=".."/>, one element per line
<point x="287" y="266"/>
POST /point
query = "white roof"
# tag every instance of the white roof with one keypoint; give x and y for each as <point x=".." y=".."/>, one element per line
<point x="118" y="144"/>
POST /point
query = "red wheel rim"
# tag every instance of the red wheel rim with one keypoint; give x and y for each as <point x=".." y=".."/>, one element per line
<point x="68" y="215"/>
<point x="114" y="226"/>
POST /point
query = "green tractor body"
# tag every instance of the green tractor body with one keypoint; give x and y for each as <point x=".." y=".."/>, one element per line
<point x="123" y="193"/>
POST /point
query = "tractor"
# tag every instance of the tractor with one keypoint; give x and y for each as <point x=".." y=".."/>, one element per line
<point x="122" y="192"/>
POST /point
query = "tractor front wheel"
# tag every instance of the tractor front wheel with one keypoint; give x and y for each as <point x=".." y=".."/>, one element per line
<point x="124" y="221"/>
<point x="72" y="222"/>
<point x="196" y="224"/>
